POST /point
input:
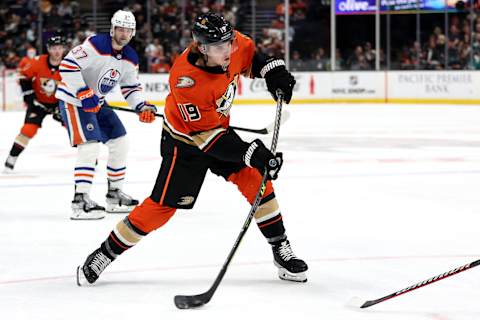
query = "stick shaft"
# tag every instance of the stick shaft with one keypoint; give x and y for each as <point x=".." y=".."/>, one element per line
<point x="422" y="283"/>
<point x="186" y="302"/>
<point x="259" y="131"/>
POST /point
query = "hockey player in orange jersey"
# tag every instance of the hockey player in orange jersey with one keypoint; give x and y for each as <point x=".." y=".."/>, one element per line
<point x="196" y="137"/>
<point x="38" y="80"/>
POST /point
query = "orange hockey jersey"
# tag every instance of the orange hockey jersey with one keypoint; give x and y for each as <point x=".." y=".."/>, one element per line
<point x="25" y="62"/>
<point x="44" y="77"/>
<point x="197" y="110"/>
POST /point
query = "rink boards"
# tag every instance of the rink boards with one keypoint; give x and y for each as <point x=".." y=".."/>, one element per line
<point x="438" y="87"/>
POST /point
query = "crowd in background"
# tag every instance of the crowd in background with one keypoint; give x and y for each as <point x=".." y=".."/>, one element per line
<point x="461" y="52"/>
<point x="165" y="32"/>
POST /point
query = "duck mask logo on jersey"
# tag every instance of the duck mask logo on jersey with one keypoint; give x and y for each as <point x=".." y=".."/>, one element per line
<point x="48" y="86"/>
<point x="225" y="102"/>
<point x="108" y="81"/>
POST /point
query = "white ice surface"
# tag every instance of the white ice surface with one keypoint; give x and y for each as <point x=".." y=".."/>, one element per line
<point x="374" y="197"/>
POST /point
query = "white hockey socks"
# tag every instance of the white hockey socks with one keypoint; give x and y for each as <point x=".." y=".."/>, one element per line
<point x="117" y="159"/>
<point x="87" y="155"/>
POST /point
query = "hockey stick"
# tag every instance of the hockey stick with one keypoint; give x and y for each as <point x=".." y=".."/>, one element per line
<point x="268" y="129"/>
<point x="195" y="301"/>
<point x="357" y="302"/>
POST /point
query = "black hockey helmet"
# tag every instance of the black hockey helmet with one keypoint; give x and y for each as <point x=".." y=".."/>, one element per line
<point x="210" y="28"/>
<point x="55" y="41"/>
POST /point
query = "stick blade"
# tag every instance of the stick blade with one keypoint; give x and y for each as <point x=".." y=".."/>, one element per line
<point x="269" y="128"/>
<point x="357" y="302"/>
<point x="189" y="302"/>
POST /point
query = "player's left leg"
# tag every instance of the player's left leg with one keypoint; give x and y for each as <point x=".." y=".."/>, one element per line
<point x="33" y="121"/>
<point x="85" y="134"/>
<point x="115" y="139"/>
<point x="144" y="219"/>
<point x="269" y="220"/>
<point x="178" y="183"/>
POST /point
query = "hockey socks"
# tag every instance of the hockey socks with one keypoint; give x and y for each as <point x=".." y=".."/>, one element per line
<point x="116" y="163"/>
<point x="87" y="154"/>
<point x="27" y="132"/>
<point x="124" y="236"/>
<point x="269" y="219"/>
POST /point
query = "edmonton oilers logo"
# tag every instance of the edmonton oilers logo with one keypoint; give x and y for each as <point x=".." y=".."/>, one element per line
<point x="108" y="81"/>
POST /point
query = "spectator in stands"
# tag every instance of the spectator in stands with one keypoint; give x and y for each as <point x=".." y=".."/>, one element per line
<point x="434" y="52"/>
<point x="357" y="60"/>
<point x="299" y="9"/>
<point x="369" y="54"/>
<point x="11" y="60"/>
<point x="454" y="33"/>
<point x="454" y="54"/>
<point x="339" y="62"/>
<point x="296" y="63"/>
<point x="465" y="52"/>
<point x="319" y="61"/>
<point x="416" y="56"/>
<point x="153" y="52"/>
<point x="19" y="8"/>
<point x="361" y="63"/>
<point x="45" y="6"/>
<point x="280" y="9"/>
<point x="160" y="65"/>
<point x="185" y="39"/>
<point x="476" y="45"/>
<point x="78" y="39"/>
<point x="65" y="9"/>
<point x="278" y="23"/>
<point x="52" y="20"/>
<point x="231" y="15"/>
<point x="90" y="31"/>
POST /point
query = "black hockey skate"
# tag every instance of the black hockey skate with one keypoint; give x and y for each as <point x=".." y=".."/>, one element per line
<point x="289" y="266"/>
<point x="96" y="262"/>
<point x="119" y="202"/>
<point x="84" y="208"/>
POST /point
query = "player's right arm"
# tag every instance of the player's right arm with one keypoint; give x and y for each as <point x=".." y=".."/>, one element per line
<point x="73" y="88"/>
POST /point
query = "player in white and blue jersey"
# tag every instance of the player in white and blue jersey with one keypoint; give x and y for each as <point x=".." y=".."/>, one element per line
<point x="90" y="71"/>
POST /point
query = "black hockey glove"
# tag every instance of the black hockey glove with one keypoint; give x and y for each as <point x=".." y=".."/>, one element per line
<point x="259" y="157"/>
<point x="279" y="78"/>
<point x="56" y="115"/>
<point x="29" y="98"/>
<point x="28" y="92"/>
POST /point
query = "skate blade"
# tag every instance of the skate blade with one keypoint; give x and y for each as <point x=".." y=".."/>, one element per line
<point x="81" y="280"/>
<point x="7" y="170"/>
<point x="116" y="209"/>
<point x="284" y="274"/>
<point x="92" y="215"/>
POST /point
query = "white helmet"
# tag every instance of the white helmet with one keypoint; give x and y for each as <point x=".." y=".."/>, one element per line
<point x="124" y="19"/>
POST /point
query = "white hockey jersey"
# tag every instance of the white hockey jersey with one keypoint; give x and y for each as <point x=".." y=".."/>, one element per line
<point x="95" y="64"/>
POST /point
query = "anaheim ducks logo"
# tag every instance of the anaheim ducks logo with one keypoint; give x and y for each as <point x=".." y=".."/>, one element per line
<point x="185" y="82"/>
<point x="225" y="102"/>
<point x="108" y="81"/>
<point x="48" y="86"/>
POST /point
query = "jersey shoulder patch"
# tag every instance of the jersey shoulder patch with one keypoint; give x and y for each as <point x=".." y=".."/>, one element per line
<point x="184" y="82"/>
